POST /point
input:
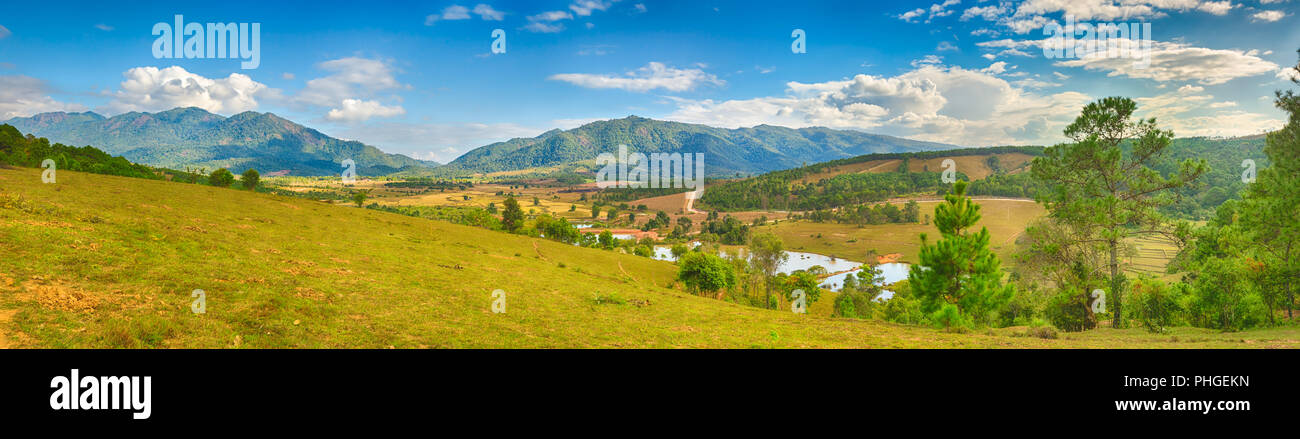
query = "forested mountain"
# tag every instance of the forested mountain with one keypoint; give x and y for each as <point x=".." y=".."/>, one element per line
<point x="759" y="149"/>
<point x="192" y="137"/>
<point x="803" y="188"/>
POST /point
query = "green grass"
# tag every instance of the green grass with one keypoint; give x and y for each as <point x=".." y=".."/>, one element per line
<point x="101" y="261"/>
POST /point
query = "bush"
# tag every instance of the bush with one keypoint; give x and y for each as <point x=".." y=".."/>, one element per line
<point x="221" y="178"/>
<point x="1068" y="310"/>
<point x="948" y="317"/>
<point x="250" y="179"/>
<point x="902" y="308"/>
<point x="1046" y="332"/>
<point x="705" y="272"/>
<point x="1155" y="304"/>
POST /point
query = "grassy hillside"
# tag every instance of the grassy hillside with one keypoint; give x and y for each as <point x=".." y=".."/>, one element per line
<point x="103" y="261"/>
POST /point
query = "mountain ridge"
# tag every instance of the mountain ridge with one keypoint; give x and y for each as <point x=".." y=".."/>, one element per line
<point x="193" y="137"/>
<point x="752" y="150"/>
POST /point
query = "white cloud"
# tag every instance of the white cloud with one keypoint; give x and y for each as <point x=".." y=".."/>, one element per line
<point x="1269" y="16"/>
<point x="1031" y="15"/>
<point x="104" y="27"/>
<point x="1168" y="61"/>
<point x="1181" y="62"/>
<point x="351" y="89"/>
<point x="349" y="78"/>
<point x="653" y="76"/>
<point x="24" y="96"/>
<point x="4" y="32"/>
<point x="1288" y="74"/>
<point x="935" y="11"/>
<point x="453" y="12"/>
<point x="1223" y="124"/>
<point x="487" y="13"/>
<point x="1216" y="8"/>
<point x="584" y="7"/>
<point x="909" y="15"/>
<point x="355" y="110"/>
<point x="154" y="89"/>
<point x="546" y="22"/>
<point x="640" y="7"/>
<point x="932" y="102"/>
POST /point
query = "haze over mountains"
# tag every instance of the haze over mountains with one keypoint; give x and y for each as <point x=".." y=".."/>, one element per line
<point x="196" y="138"/>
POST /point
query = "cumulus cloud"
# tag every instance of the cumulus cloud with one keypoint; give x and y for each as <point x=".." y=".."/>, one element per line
<point x="1216" y="8"/>
<point x="584" y="7"/>
<point x="653" y="76"/>
<point x="932" y="102"/>
<point x="936" y="10"/>
<point x="1181" y="62"/>
<point x="24" y="96"/>
<point x="350" y="88"/>
<point x="1269" y="16"/>
<point x="458" y="12"/>
<point x="349" y="77"/>
<point x="154" y="89"/>
<point x="1032" y="15"/>
<point x="487" y="13"/>
<point x="356" y="110"/>
<point x="1169" y="61"/>
<point x="547" y="22"/>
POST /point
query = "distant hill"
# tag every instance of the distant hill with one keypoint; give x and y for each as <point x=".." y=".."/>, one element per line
<point x="995" y="171"/>
<point x="193" y="137"/>
<point x="755" y="150"/>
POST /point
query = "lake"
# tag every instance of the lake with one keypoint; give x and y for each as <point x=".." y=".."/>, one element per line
<point x="893" y="272"/>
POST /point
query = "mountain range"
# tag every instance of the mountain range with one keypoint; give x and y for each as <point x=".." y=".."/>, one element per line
<point x="755" y="150"/>
<point x="193" y="137"/>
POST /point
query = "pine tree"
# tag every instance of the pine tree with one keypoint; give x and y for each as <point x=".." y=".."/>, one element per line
<point x="1271" y="205"/>
<point x="1103" y="185"/>
<point x="513" y="217"/>
<point x="958" y="279"/>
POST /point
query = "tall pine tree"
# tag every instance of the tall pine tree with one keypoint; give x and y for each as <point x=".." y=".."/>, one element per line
<point x="958" y="279"/>
<point x="1271" y="205"/>
<point x="1103" y="185"/>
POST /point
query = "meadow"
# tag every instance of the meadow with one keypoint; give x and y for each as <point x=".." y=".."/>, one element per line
<point x="111" y="262"/>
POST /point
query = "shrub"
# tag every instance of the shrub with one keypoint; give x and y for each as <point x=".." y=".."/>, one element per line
<point x="948" y="317"/>
<point x="250" y="179"/>
<point x="1155" y="304"/>
<point x="1068" y="310"/>
<point x="221" y="178"/>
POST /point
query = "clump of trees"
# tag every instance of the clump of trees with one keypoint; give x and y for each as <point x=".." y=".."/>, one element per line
<point x="221" y="178"/>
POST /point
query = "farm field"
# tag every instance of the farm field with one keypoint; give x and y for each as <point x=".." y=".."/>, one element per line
<point x="102" y="261"/>
<point x="1005" y="218"/>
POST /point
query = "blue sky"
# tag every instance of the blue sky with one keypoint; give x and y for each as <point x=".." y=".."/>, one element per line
<point x="419" y="78"/>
